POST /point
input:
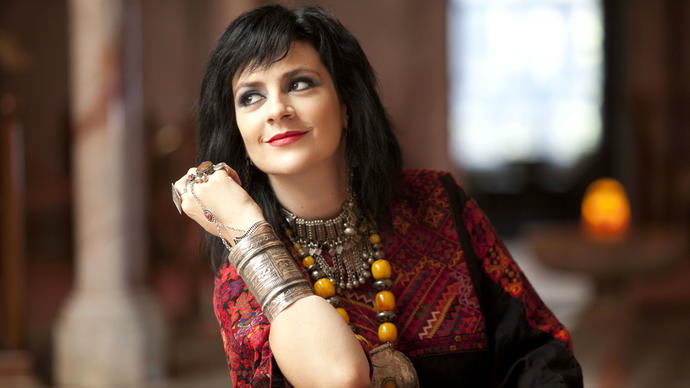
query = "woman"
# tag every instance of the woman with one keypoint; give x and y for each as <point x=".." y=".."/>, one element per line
<point x="414" y="269"/>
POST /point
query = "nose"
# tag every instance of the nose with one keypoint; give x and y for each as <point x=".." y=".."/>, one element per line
<point x="278" y="109"/>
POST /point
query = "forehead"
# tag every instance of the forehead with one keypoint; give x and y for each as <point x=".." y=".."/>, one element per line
<point x="300" y="54"/>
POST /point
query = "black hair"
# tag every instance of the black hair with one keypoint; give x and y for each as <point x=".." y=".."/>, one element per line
<point x="263" y="36"/>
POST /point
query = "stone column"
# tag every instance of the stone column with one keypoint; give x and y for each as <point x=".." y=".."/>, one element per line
<point x="110" y="333"/>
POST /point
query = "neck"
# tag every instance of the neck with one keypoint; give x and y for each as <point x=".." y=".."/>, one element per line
<point x="317" y="193"/>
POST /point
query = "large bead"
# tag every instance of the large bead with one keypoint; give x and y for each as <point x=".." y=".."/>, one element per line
<point x="349" y="231"/>
<point x="374" y="238"/>
<point x="381" y="269"/>
<point x="388" y="332"/>
<point x="385" y="300"/>
<point x="308" y="261"/>
<point x="324" y="288"/>
<point x="343" y="314"/>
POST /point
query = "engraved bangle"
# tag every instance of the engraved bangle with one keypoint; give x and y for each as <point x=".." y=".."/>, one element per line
<point x="271" y="274"/>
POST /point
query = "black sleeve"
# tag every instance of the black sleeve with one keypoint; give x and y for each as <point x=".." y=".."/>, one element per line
<point x="528" y="346"/>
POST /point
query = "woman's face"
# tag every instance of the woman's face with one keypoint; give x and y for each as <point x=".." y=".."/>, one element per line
<point x="289" y="114"/>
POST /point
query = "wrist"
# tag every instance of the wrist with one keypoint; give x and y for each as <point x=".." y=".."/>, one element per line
<point x="268" y="270"/>
<point x="239" y="228"/>
<point x="251" y="217"/>
<point x="249" y="231"/>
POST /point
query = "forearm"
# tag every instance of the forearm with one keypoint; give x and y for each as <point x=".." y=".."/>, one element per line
<point x="311" y="342"/>
<point x="314" y="347"/>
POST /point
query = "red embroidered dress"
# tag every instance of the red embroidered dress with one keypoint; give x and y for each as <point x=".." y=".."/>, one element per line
<point x="467" y="316"/>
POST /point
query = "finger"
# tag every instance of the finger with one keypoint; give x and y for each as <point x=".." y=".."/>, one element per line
<point x="224" y="169"/>
<point x="181" y="186"/>
<point x="177" y="196"/>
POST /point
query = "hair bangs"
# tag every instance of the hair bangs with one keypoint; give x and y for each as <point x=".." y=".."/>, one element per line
<point x="265" y="41"/>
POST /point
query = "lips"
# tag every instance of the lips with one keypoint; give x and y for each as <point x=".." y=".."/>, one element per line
<point x="286" y="138"/>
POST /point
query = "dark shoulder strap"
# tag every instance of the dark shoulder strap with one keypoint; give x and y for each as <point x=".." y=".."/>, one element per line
<point x="457" y="199"/>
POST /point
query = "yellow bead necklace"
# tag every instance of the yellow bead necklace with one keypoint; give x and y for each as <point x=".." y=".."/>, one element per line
<point x="356" y="253"/>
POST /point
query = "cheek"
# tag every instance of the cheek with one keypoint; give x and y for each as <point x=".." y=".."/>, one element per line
<point x="327" y="117"/>
<point x="248" y="129"/>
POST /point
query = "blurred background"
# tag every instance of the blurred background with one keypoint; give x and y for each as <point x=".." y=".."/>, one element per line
<point x="527" y="102"/>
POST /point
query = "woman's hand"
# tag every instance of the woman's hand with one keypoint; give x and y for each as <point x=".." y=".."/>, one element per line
<point x="223" y="196"/>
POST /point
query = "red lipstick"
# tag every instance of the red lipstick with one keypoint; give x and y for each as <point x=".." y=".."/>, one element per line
<point x="285" y="138"/>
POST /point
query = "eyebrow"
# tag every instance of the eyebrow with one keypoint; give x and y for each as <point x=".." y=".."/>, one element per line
<point x="287" y="75"/>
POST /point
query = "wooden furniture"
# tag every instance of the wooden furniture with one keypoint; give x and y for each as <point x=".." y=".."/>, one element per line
<point x="610" y="263"/>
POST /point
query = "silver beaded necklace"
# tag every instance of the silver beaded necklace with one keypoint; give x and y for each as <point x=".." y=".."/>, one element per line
<point x="344" y="238"/>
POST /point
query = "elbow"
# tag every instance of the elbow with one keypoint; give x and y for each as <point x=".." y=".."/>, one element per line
<point x="350" y="377"/>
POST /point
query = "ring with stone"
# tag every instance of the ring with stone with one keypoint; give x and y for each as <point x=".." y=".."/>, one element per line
<point x="203" y="171"/>
<point x="177" y="197"/>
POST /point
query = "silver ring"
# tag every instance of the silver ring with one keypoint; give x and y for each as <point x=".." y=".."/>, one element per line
<point x="177" y="197"/>
<point x="219" y="166"/>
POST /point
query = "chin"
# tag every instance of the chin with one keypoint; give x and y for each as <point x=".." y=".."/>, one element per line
<point x="299" y="160"/>
<point x="296" y="166"/>
<point x="292" y="167"/>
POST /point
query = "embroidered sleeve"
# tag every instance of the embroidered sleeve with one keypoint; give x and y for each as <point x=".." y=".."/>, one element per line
<point x="502" y="269"/>
<point x="532" y="348"/>
<point x="244" y="330"/>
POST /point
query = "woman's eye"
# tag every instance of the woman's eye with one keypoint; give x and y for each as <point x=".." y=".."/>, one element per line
<point x="249" y="99"/>
<point x="300" y="84"/>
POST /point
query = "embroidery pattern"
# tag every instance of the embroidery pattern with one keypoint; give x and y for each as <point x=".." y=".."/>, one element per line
<point x="503" y="270"/>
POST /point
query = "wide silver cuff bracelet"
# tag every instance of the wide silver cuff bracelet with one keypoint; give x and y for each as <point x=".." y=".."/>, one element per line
<point x="268" y="270"/>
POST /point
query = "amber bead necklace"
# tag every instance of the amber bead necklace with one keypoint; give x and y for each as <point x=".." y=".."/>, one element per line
<point x="356" y="254"/>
